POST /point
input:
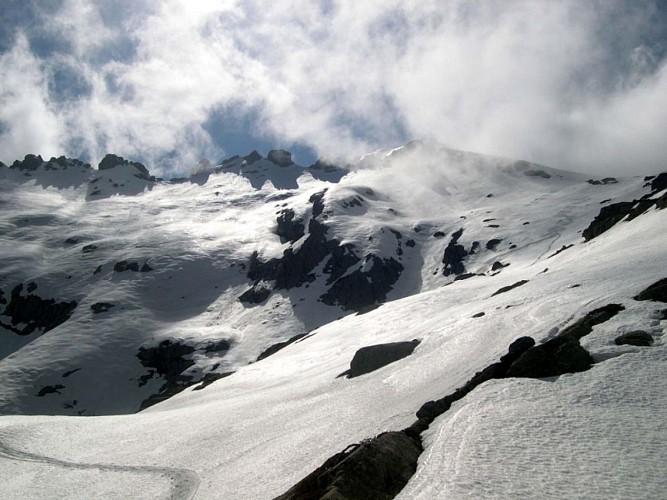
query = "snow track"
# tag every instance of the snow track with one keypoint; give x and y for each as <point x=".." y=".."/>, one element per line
<point x="169" y="483"/>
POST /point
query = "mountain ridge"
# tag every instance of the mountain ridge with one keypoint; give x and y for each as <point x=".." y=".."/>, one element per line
<point x="182" y="288"/>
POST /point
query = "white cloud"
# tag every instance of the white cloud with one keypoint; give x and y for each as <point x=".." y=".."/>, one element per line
<point x="29" y="124"/>
<point x="569" y="84"/>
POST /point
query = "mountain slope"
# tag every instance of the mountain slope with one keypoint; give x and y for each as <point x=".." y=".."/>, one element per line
<point x="419" y="240"/>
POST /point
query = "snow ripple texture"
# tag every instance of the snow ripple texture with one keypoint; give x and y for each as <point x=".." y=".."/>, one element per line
<point x="594" y="435"/>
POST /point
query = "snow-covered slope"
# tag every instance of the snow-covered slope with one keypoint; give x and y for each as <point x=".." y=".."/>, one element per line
<point x="153" y="287"/>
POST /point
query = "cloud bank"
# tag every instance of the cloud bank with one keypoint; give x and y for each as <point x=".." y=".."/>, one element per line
<point x="574" y="85"/>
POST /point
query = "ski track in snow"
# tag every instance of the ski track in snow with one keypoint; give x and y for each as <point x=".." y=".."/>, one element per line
<point x="184" y="482"/>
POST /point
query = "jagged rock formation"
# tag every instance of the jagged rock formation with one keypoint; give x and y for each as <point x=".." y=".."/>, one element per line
<point x="351" y="290"/>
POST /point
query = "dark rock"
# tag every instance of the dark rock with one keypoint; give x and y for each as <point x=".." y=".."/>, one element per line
<point x="561" y="249"/>
<point x="363" y="288"/>
<point x="454" y="255"/>
<point x="637" y="338"/>
<point x="100" y="307"/>
<point x="72" y="241"/>
<point x="125" y="265"/>
<point x="498" y="265"/>
<point x="509" y="287"/>
<point x="31" y="287"/>
<point x="255" y="295"/>
<point x="371" y="358"/>
<point x="479" y="314"/>
<point x="376" y="469"/>
<point x="50" y="389"/>
<point x="466" y="276"/>
<point x="146" y="268"/>
<point x="111" y="161"/>
<point x="167" y="358"/>
<point x="289" y="228"/>
<point x="520" y="345"/>
<point x="605" y="181"/>
<point x="535" y="363"/>
<point x="217" y="346"/>
<point x="98" y="270"/>
<point x="610" y="215"/>
<point x="571" y="357"/>
<point x="209" y="378"/>
<point x="659" y="183"/>
<point x="252" y="157"/>
<point x="70" y="372"/>
<point x="34" y="312"/>
<point x="368" y="308"/>
<point x="439" y="234"/>
<point x="537" y="173"/>
<point x="89" y="248"/>
<point x="410" y="243"/>
<point x="585" y="325"/>
<point x="280" y="157"/>
<point x="555" y="357"/>
<point x="278" y="346"/>
<point x="493" y="243"/>
<point x="317" y="200"/>
<point x="29" y="163"/>
<point x="657" y="292"/>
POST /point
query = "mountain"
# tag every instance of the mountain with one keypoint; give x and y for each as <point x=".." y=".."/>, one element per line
<point x="465" y="324"/>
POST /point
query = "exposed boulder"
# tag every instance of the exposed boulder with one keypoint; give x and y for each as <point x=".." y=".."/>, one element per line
<point x="553" y="358"/>
<point x="497" y="265"/>
<point x="636" y="337"/>
<point x="371" y="358"/>
<point x="657" y="291"/>
<point x="376" y="469"/>
<point x="493" y="243"/>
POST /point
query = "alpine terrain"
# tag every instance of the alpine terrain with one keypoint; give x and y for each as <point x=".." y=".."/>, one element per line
<point x="425" y="323"/>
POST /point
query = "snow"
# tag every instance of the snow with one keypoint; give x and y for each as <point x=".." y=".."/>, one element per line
<point x="598" y="434"/>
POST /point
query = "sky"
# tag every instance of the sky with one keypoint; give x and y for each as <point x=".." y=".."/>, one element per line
<point x="569" y="84"/>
